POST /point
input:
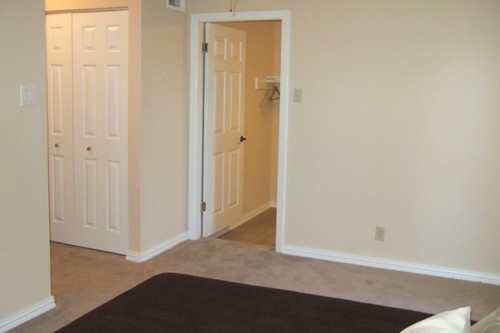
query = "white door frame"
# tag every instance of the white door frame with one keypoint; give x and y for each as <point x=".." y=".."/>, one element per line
<point x="195" y="114"/>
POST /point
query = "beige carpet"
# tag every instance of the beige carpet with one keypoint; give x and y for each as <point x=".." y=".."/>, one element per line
<point x="83" y="279"/>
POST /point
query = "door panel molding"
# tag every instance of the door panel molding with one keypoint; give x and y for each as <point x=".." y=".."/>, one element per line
<point x="60" y="126"/>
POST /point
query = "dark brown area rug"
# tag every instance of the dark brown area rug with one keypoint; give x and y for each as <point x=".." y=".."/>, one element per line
<point x="183" y="303"/>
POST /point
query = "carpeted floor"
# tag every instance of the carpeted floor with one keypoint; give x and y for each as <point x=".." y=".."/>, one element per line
<point x="83" y="279"/>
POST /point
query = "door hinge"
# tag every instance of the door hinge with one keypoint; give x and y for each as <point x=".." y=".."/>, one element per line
<point x="203" y="206"/>
<point x="204" y="47"/>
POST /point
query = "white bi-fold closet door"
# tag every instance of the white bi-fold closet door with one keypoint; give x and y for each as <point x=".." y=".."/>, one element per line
<point x="87" y="87"/>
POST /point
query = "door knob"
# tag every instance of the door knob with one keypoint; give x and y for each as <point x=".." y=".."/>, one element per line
<point x="56" y="145"/>
<point x="242" y="138"/>
<point x="89" y="148"/>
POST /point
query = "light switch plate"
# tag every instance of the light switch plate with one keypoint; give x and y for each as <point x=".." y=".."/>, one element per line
<point x="28" y="95"/>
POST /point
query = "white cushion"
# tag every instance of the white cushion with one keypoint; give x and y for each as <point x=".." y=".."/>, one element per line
<point x="455" y="321"/>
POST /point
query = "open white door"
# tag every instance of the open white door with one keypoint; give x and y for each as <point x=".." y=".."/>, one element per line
<point x="224" y="141"/>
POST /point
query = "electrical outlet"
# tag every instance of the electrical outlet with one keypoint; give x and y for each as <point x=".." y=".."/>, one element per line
<point x="380" y="233"/>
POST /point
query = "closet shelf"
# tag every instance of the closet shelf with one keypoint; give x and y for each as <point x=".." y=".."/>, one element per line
<point x="266" y="82"/>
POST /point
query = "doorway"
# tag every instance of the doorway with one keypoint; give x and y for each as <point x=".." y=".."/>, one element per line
<point x="196" y="114"/>
<point x="257" y="133"/>
<point x="224" y="118"/>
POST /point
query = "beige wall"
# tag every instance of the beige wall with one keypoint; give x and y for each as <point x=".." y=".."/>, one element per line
<point x="24" y="222"/>
<point x="164" y="124"/>
<point x="259" y="176"/>
<point x="399" y="127"/>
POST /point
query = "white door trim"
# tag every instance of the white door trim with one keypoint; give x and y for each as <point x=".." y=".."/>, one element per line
<point x="195" y="114"/>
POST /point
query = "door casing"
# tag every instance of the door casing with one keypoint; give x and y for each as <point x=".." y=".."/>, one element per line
<point x="196" y="114"/>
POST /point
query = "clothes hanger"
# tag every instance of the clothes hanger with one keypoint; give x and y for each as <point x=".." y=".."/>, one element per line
<point x="275" y="95"/>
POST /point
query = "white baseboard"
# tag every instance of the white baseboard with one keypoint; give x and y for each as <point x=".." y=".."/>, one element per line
<point x="156" y="250"/>
<point x="27" y="314"/>
<point x="394" y="265"/>
<point x="250" y="215"/>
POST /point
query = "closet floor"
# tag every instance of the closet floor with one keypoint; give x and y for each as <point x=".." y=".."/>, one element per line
<point x="260" y="230"/>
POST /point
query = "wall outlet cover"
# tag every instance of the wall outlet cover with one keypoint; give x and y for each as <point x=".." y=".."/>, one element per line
<point x="380" y="234"/>
<point x="297" y="95"/>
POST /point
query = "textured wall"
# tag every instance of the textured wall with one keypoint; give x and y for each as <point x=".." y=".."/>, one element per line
<point x="24" y="221"/>
<point x="164" y="124"/>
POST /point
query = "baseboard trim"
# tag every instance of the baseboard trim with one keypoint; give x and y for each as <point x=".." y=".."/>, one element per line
<point x="27" y="314"/>
<point x="394" y="265"/>
<point x="156" y="250"/>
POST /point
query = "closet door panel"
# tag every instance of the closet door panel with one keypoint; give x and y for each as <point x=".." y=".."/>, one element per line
<point x="60" y="126"/>
<point x="100" y="61"/>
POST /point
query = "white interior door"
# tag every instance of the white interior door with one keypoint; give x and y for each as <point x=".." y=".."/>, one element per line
<point x="224" y="109"/>
<point x="99" y="130"/>
<point x="60" y="127"/>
